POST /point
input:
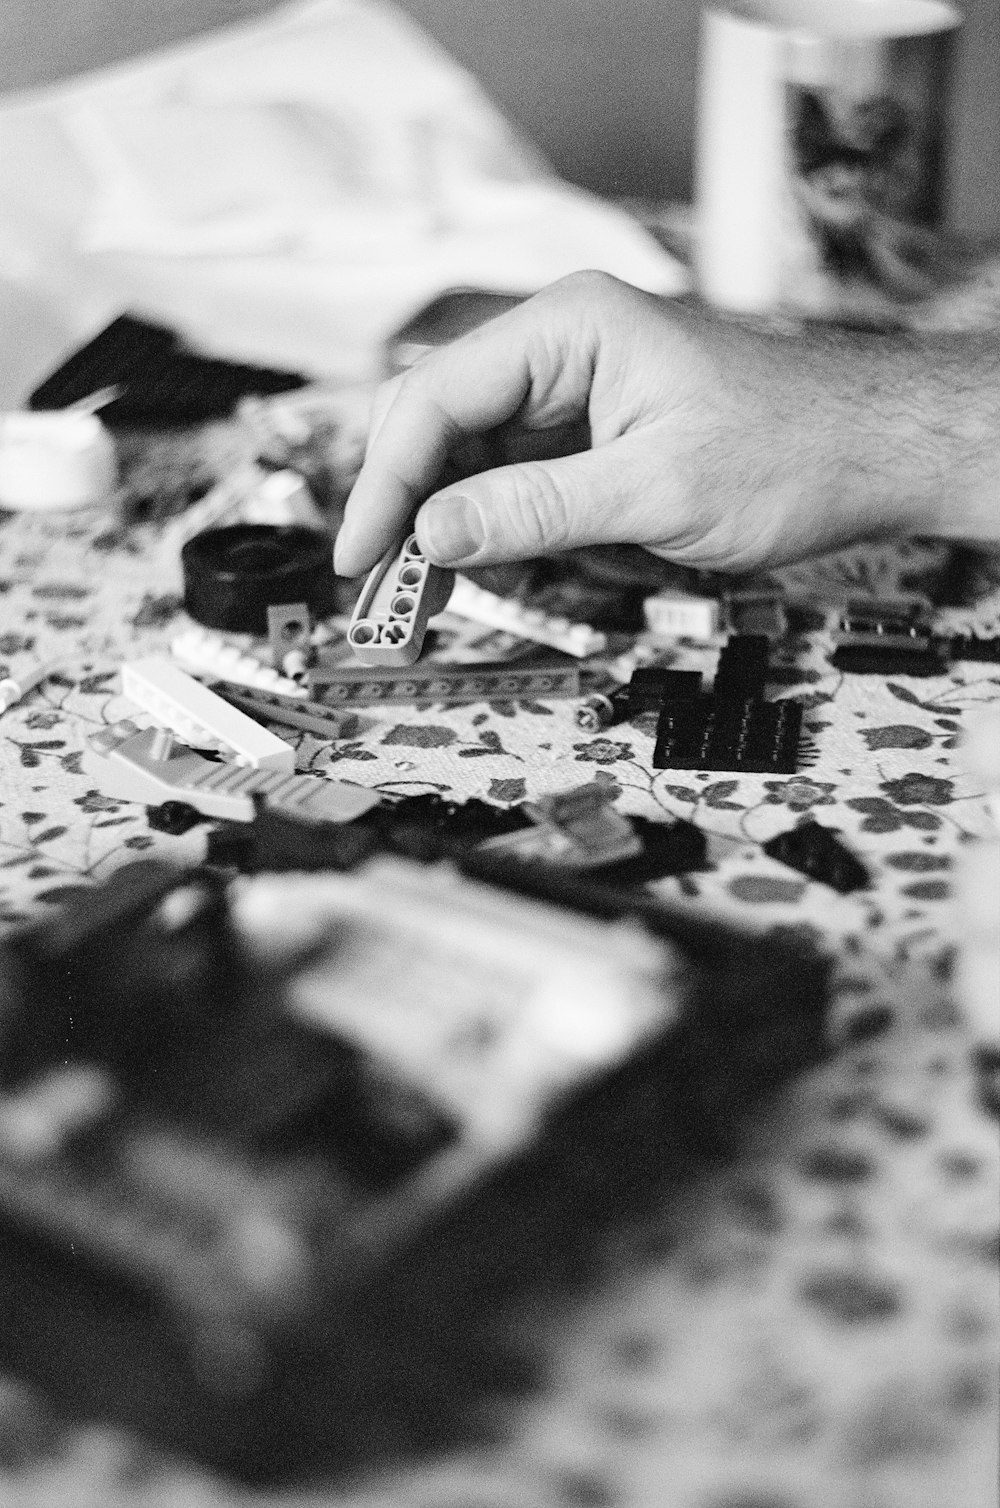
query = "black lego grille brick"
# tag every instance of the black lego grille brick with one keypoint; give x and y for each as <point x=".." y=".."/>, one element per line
<point x="160" y="382"/>
<point x="716" y="733"/>
<point x="682" y="734"/>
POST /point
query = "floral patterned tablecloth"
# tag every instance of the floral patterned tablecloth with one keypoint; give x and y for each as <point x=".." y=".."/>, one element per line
<point x="816" y="1326"/>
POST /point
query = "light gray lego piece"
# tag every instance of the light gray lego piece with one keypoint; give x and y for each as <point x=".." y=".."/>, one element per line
<point x="390" y="620"/>
<point x="125" y="769"/>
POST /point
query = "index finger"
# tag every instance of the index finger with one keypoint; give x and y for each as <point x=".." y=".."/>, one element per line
<point x="513" y="363"/>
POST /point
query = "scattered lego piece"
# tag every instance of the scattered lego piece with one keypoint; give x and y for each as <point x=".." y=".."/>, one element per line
<point x="424" y="828"/>
<point x="470" y="601"/>
<point x="586" y="816"/>
<point x="429" y="827"/>
<point x="289" y="630"/>
<point x="911" y="641"/>
<point x="667" y="848"/>
<point x="200" y="717"/>
<point x="174" y="818"/>
<point x="742" y="668"/>
<point x="207" y="653"/>
<point x="276" y="842"/>
<point x="892" y="617"/>
<point x="159" y="381"/>
<point x="538" y="844"/>
<point x="350" y="685"/>
<point x="232" y="575"/>
<point x="816" y="851"/>
<point x="640" y="655"/>
<point x="292" y="712"/>
<point x="756" y="612"/>
<point x="868" y="660"/>
<point x="51" y="461"/>
<point x="13" y="688"/>
<point x="672" y="615"/>
<point x="646" y="691"/>
<point x="578" y="827"/>
<point x="126" y="767"/>
<point x="712" y="733"/>
<point x="971" y="647"/>
<point x="652" y="685"/>
<point x="603" y="710"/>
<point x="390" y="620"/>
<point x="887" y="638"/>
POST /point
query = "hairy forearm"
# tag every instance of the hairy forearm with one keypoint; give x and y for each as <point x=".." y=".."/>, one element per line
<point x="903" y="430"/>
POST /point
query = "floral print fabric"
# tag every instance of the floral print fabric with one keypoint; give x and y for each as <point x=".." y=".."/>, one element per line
<point x="814" y="1326"/>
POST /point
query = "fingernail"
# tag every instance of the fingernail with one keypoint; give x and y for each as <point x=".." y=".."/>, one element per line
<point x="452" y="529"/>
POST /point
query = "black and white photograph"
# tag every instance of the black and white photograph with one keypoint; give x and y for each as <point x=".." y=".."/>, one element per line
<point x="499" y="754"/>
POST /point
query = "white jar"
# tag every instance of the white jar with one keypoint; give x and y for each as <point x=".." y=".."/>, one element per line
<point x="55" y="460"/>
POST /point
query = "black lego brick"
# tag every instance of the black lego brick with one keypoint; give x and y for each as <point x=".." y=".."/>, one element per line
<point x="742" y="667"/>
<point x="863" y="660"/>
<point x="756" y="612"/>
<point x="817" y="851"/>
<point x="969" y="647"/>
<point x="425" y="828"/>
<point x="885" y="616"/>
<point x="652" y="685"/>
<point x="668" y="848"/>
<point x="747" y="736"/>
<point x="174" y="818"/>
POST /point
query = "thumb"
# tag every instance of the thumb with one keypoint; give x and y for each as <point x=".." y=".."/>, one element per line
<point x="539" y="507"/>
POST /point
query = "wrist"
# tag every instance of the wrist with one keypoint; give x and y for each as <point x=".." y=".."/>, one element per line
<point x="921" y="437"/>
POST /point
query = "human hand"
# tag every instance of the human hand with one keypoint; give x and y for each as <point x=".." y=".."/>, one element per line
<point x="714" y="444"/>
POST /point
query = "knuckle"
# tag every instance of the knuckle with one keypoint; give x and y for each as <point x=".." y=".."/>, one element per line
<point x="587" y="286"/>
<point x="540" y="513"/>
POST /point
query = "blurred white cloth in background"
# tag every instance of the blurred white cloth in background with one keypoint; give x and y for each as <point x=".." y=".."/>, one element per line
<point x="288" y="191"/>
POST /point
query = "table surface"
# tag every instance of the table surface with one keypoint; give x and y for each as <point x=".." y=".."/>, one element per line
<point x="814" y="1325"/>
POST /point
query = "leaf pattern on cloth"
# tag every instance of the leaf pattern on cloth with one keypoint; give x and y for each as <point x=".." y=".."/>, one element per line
<point x="881" y="816"/>
<point x="799" y="794"/>
<point x="509" y="790"/>
<point x="415" y="736"/>
<point x="603" y="751"/>
<point x="917" y="789"/>
<point x="897" y="736"/>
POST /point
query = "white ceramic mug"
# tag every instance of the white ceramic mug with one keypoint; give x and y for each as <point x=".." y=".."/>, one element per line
<point x="820" y="154"/>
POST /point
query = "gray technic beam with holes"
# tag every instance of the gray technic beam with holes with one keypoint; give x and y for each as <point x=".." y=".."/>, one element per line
<point x="495" y="680"/>
<point x="390" y="620"/>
